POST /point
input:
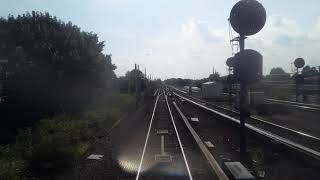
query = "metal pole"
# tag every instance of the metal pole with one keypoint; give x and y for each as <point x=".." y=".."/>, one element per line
<point x="145" y="73"/>
<point x="136" y="83"/>
<point x="145" y="79"/>
<point x="244" y="110"/>
<point x="136" y="75"/>
<point x="297" y="84"/>
<point x="230" y="88"/>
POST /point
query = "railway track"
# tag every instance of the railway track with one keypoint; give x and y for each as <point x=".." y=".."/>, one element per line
<point x="304" y="106"/>
<point x="176" y="147"/>
<point x="313" y="107"/>
<point x="169" y="151"/>
<point x="269" y="156"/>
<point x="303" y="142"/>
<point x="295" y="128"/>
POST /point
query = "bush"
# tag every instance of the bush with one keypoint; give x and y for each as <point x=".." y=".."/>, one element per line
<point x="47" y="159"/>
<point x="54" y="143"/>
<point x="12" y="168"/>
<point x="123" y="102"/>
<point x="46" y="149"/>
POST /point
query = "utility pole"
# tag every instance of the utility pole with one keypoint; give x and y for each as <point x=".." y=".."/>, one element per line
<point x="298" y="63"/>
<point x="145" y="73"/>
<point x="230" y="88"/>
<point x="230" y="79"/>
<point x="243" y="102"/>
<point x="138" y="81"/>
<point x="297" y="85"/>
<point x="145" y="77"/>
<point x="135" y="78"/>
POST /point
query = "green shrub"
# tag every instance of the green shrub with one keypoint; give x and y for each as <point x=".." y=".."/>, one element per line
<point x="47" y="159"/>
<point x="11" y="167"/>
<point x="77" y="150"/>
<point x="53" y="143"/>
<point x="106" y="114"/>
<point x="122" y="102"/>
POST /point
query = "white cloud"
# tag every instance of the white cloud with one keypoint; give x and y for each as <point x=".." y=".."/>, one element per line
<point x="201" y="30"/>
<point x="282" y="40"/>
<point x="190" y="52"/>
<point x="122" y="35"/>
<point x="197" y="46"/>
<point x="110" y="2"/>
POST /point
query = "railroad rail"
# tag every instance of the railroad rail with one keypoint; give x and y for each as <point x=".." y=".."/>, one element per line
<point x="162" y="122"/>
<point x="213" y="163"/>
<point x="315" y="107"/>
<point x="261" y="130"/>
<point x="306" y="106"/>
<point x="252" y="116"/>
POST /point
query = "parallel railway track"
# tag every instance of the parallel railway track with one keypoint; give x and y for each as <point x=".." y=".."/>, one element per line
<point x="303" y="142"/>
<point x="313" y="107"/>
<point x="305" y="106"/>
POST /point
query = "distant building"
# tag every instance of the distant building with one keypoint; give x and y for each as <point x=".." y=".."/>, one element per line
<point x="211" y="89"/>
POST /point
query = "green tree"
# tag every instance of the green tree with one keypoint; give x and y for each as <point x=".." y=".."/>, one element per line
<point x="277" y="71"/>
<point x="135" y="79"/>
<point x="278" y="74"/>
<point x="214" y="77"/>
<point x="54" y="67"/>
<point x="309" y="71"/>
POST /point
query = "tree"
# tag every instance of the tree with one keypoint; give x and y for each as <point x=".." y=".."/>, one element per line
<point x="278" y="74"/>
<point x="214" y="77"/>
<point x="132" y="81"/>
<point x="309" y="71"/>
<point x="277" y="71"/>
<point x="178" y="82"/>
<point x="54" y="67"/>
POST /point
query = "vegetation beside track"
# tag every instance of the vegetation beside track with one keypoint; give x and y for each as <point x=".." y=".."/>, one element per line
<point x="54" y="143"/>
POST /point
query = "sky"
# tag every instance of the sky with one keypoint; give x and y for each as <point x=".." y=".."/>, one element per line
<point x="185" y="38"/>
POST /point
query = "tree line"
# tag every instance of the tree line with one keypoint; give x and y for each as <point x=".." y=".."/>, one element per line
<point x="276" y="74"/>
<point x="197" y="83"/>
<point x="49" y="67"/>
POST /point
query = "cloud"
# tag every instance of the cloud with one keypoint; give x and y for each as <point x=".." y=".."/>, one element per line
<point x="283" y="39"/>
<point x="201" y="30"/>
<point x="123" y="35"/>
<point x="280" y="42"/>
<point x="110" y="2"/>
<point x="189" y="52"/>
<point x="193" y="50"/>
<point x="148" y="52"/>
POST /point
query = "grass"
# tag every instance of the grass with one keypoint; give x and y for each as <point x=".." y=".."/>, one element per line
<point x="277" y="93"/>
<point x="271" y="91"/>
<point x="54" y="143"/>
